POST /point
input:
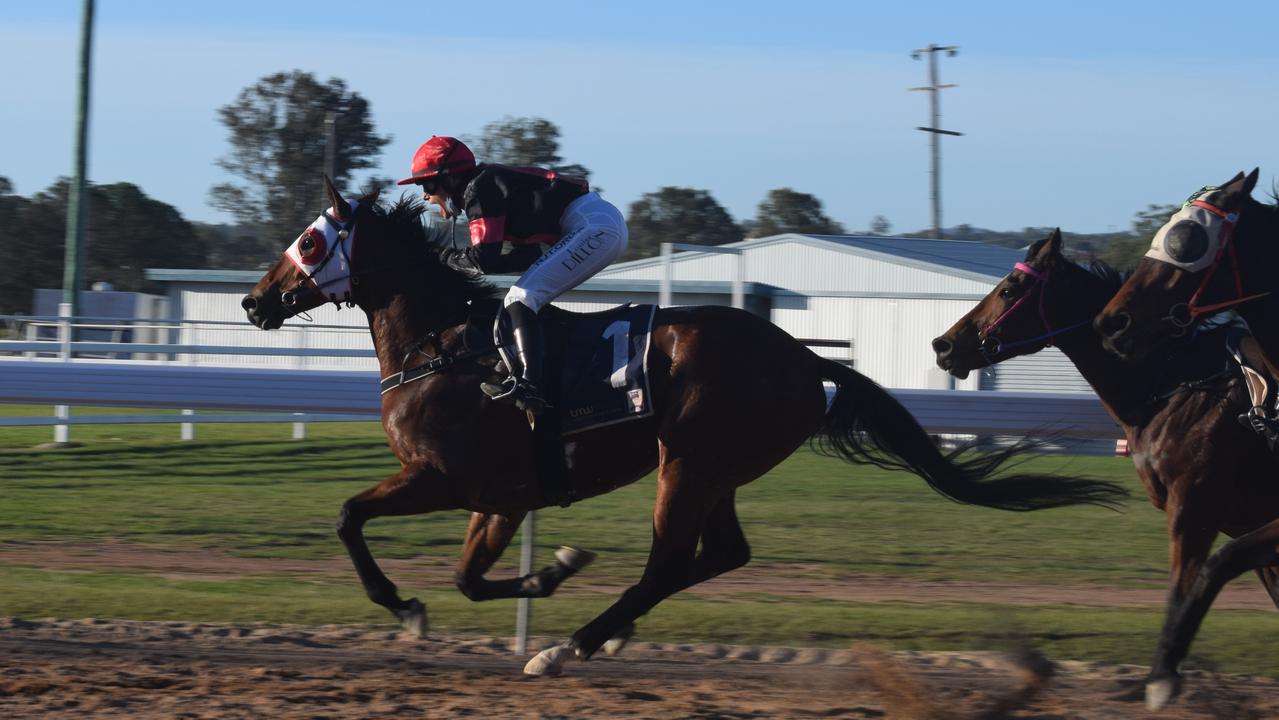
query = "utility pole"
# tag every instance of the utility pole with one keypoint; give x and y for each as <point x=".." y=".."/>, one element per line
<point x="73" y="260"/>
<point x="934" y="129"/>
<point x="330" y="149"/>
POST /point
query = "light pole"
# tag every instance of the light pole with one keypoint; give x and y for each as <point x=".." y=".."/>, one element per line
<point x="934" y="129"/>
<point x="73" y="259"/>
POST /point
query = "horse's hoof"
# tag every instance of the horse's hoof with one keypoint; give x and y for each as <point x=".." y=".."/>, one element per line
<point x="413" y="619"/>
<point x="574" y="558"/>
<point x="1160" y="692"/>
<point x="614" y="645"/>
<point x="548" y="662"/>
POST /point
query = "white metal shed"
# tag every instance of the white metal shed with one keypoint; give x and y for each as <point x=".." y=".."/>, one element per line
<point x="888" y="296"/>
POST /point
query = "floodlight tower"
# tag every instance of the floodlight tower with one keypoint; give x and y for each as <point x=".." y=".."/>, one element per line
<point x="934" y="129"/>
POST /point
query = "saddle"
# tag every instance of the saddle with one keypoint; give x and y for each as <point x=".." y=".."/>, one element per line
<point x="596" y="375"/>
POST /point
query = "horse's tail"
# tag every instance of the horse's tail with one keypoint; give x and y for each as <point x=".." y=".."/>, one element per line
<point x="865" y="424"/>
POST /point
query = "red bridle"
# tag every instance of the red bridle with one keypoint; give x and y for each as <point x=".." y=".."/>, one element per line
<point x="1193" y="309"/>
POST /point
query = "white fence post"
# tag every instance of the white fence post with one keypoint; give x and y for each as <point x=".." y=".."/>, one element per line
<point x="299" y="428"/>
<point x="524" y="609"/>
<point x="739" y="281"/>
<point x="664" y="294"/>
<point x="62" y="433"/>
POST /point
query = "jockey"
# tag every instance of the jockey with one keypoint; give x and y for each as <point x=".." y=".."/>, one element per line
<point x="527" y="207"/>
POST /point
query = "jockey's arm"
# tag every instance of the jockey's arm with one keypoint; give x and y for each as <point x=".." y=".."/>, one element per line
<point x="492" y="261"/>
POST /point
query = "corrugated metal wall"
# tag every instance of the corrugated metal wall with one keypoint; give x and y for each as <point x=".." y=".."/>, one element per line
<point x="221" y="302"/>
<point x="1048" y="370"/>
<point x="892" y="338"/>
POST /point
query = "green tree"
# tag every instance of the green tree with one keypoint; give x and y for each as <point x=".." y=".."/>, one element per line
<point x="677" y="214"/>
<point x="879" y="225"/>
<point x="125" y="233"/>
<point x="278" y="141"/>
<point x="1125" y="251"/>
<point x="786" y="211"/>
<point x="6" y="187"/>
<point x="530" y="141"/>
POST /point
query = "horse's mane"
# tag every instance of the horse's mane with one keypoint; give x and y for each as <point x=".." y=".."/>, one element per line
<point x="1113" y="278"/>
<point x="429" y="242"/>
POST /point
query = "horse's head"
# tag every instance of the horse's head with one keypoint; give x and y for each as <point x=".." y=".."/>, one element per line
<point x="317" y="268"/>
<point x="1021" y="315"/>
<point x="1190" y="271"/>
<point x="394" y="248"/>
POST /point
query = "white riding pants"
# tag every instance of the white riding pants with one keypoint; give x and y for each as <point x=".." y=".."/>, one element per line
<point x="594" y="236"/>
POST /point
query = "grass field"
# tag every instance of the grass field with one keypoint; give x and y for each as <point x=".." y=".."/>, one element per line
<point x="270" y="497"/>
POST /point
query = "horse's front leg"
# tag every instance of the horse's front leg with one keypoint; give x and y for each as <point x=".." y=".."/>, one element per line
<point x="1259" y="548"/>
<point x="1191" y="530"/>
<point x="411" y="491"/>
<point x="487" y="537"/>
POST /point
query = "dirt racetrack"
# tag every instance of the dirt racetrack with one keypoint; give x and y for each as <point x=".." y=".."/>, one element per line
<point x="141" y="670"/>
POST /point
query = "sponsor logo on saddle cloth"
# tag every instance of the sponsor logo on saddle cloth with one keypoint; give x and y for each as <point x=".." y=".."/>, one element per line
<point x="1193" y="236"/>
<point x="323" y="252"/>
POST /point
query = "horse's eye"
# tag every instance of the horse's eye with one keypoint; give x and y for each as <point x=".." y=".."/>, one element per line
<point x="1007" y="292"/>
<point x="307" y="244"/>
<point x="1186" y="242"/>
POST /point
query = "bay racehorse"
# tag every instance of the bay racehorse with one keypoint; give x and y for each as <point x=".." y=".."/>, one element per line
<point x="733" y="396"/>
<point x="1178" y="411"/>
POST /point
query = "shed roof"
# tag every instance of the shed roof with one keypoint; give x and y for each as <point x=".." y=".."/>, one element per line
<point x="965" y="258"/>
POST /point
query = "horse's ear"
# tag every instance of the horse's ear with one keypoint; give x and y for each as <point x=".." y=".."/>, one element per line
<point x="1046" y="248"/>
<point x="1250" y="182"/>
<point x="370" y="198"/>
<point x="340" y="207"/>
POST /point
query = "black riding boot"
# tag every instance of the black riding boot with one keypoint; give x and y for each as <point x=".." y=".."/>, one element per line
<point x="1261" y="423"/>
<point x="528" y="343"/>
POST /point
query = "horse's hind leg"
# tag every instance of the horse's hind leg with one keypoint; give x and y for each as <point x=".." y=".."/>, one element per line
<point x="1257" y="549"/>
<point x="1270" y="581"/>
<point x="487" y="537"/>
<point x="411" y="491"/>
<point x="724" y="545"/>
<point x="684" y="499"/>
<point x="724" y="548"/>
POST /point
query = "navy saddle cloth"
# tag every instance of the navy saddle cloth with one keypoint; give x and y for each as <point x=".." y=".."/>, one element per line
<point x="596" y="363"/>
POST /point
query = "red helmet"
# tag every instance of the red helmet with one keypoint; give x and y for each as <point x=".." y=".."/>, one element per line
<point x="439" y="155"/>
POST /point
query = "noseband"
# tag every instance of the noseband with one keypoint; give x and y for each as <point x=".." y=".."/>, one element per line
<point x="1183" y="315"/>
<point x="991" y="345"/>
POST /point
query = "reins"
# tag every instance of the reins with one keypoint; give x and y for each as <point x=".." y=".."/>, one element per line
<point x="434" y="365"/>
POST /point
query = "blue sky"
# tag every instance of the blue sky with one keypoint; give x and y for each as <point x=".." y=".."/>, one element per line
<point x="1077" y="115"/>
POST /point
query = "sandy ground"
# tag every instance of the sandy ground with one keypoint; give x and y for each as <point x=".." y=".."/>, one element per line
<point x="94" y="668"/>
<point x="787" y="580"/>
<point x="121" y="669"/>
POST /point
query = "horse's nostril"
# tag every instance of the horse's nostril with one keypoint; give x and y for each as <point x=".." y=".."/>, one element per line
<point x="249" y="303"/>
<point x="289" y="299"/>
<point x="1112" y="325"/>
<point x="943" y="346"/>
